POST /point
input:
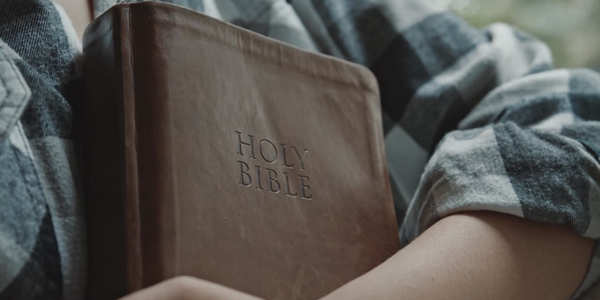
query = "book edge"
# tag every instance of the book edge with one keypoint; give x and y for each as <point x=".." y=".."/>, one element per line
<point x="350" y="73"/>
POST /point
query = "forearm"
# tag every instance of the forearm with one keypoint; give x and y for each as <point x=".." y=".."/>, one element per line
<point x="479" y="256"/>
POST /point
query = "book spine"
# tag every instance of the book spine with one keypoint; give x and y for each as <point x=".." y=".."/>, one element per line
<point x="132" y="217"/>
<point x="135" y="272"/>
<point x="151" y="196"/>
<point x="111" y="229"/>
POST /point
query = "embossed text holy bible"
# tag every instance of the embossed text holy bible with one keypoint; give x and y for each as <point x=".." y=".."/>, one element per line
<point x="215" y="152"/>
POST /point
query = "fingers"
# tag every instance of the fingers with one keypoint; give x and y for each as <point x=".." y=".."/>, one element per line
<point x="188" y="288"/>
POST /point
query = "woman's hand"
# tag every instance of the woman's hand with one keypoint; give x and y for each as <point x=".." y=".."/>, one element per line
<point x="188" y="288"/>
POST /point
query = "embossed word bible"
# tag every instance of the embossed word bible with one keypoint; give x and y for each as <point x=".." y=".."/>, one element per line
<point x="218" y="153"/>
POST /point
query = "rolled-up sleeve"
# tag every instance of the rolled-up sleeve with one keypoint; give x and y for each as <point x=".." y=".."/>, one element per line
<point x="473" y="119"/>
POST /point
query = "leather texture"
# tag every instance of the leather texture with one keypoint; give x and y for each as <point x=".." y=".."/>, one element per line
<point x="218" y="153"/>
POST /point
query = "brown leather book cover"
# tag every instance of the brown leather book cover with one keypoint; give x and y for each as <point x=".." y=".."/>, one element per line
<point x="218" y="153"/>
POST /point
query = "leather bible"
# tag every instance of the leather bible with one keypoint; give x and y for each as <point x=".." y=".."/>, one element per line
<point x="215" y="152"/>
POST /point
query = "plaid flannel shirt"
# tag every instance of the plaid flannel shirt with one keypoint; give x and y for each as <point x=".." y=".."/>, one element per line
<point x="473" y="119"/>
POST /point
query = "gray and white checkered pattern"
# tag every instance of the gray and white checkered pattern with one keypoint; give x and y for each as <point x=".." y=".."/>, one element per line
<point x="473" y="120"/>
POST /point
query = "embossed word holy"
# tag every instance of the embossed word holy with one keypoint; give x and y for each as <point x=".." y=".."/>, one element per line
<point x="273" y="157"/>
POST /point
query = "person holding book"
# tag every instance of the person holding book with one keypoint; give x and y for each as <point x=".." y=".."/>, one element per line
<point x="506" y="148"/>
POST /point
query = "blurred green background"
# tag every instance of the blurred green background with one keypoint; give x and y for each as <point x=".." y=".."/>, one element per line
<point x="571" y="28"/>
